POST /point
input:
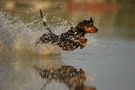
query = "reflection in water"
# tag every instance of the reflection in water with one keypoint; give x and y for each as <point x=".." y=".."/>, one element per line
<point x="16" y="72"/>
<point x="74" y="79"/>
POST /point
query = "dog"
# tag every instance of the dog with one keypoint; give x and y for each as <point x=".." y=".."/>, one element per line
<point x="74" y="79"/>
<point x="72" y="39"/>
<point x="66" y="74"/>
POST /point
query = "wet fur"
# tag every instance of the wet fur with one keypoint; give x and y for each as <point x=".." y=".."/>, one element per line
<point x="70" y="40"/>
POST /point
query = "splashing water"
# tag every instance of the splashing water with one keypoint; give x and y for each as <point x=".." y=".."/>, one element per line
<point x="15" y="35"/>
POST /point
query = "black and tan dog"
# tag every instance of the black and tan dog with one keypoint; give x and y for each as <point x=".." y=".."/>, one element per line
<point x="74" y="79"/>
<point x="72" y="39"/>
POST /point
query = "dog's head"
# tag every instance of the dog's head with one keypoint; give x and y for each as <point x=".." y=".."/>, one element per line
<point x="87" y="26"/>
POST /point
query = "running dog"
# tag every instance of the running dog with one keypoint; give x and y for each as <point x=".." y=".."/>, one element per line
<point x="72" y="39"/>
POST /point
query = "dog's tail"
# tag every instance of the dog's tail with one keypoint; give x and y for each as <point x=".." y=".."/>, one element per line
<point x="44" y="21"/>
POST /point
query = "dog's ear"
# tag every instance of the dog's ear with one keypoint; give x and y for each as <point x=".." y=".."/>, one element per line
<point x="91" y="20"/>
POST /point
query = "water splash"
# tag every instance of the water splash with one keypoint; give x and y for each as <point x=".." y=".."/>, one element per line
<point x="18" y="36"/>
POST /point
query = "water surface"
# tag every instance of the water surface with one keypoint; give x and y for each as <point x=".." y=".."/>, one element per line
<point x="108" y="58"/>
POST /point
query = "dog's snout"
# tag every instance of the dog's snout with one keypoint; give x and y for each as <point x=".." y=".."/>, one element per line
<point x="96" y="29"/>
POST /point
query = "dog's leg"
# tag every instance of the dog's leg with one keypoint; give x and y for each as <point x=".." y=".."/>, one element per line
<point x="44" y="86"/>
<point x="82" y="42"/>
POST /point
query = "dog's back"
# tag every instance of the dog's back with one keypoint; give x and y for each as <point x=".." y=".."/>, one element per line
<point x="67" y="41"/>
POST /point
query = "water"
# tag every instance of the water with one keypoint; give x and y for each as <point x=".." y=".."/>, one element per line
<point x="108" y="63"/>
<point x="18" y="36"/>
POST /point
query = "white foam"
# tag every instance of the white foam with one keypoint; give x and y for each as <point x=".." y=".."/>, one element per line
<point x="16" y="35"/>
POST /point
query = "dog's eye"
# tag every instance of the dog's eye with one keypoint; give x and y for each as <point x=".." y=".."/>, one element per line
<point x="91" y="23"/>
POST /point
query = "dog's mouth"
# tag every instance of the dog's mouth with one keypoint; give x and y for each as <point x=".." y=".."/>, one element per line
<point x="90" y="29"/>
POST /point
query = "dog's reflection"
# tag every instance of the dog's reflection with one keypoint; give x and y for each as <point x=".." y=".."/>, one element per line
<point x="74" y="79"/>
